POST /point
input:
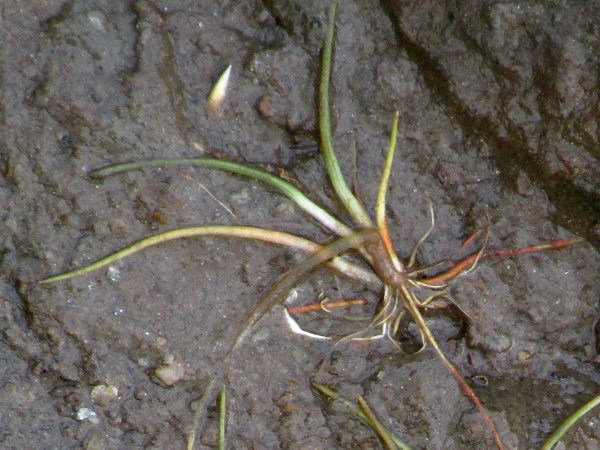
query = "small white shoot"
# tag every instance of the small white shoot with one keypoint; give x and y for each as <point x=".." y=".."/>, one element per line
<point x="219" y="91"/>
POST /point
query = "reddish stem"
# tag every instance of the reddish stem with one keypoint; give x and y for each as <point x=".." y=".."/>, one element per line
<point x="472" y="238"/>
<point x="473" y="397"/>
<point x="319" y="306"/>
<point x="461" y="266"/>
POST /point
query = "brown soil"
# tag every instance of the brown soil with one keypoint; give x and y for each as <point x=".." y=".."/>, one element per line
<point x="499" y="116"/>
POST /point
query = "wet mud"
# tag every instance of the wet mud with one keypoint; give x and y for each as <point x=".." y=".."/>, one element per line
<point x="498" y="106"/>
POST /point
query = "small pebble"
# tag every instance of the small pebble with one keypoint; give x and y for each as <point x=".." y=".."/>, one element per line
<point x="11" y="224"/>
<point x="139" y="394"/>
<point x="160" y="217"/>
<point x="104" y="394"/>
<point x="281" y="209"/>
<point x="265" y="106"/>
<point x="261" y="16"/>
<point x="113" y="274"/>
<point x="170" y="374"/>
<point x="143" y="362"/>
<point x="87" y="414"/>
<point x="119" y="225"/>
<point x="97" y="19"/>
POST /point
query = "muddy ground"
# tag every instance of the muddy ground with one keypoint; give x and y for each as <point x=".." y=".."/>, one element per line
<point x="498" y="106"/>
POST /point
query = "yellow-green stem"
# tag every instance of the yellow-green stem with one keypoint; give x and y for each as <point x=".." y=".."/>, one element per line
<point x="273" y="237"/>
<point x="282" y="186"/>
<point x="222" y="418"/>
<point x="560" y="432"/>
<point x="347" y="198"/>
<point x="381" y="199"/>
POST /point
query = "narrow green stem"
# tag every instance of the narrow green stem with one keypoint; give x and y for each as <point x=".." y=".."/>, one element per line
<point x="358" y="413"/>
<point x="282" y="186"/>
<point x="385" y="177"/>
<point x="379" y="428"/>
<point x="381" y="199"/>
<point x="222" y="418"/>
<point x="273" y="237"/>
<point x="350" y="202"/>
<point x="560" y="432"/>
<point x="199" y="416"/>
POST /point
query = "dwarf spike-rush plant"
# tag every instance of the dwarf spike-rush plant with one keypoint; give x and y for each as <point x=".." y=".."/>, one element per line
<point x="372" y="241"/>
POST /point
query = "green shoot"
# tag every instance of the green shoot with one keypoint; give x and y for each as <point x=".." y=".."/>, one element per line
<point x="274" y="237"/>
<point x="222" y="418"/>
<point x="560" y="432"/>
<point x="368" y="419"/>
<point x="379" y="428"/>
<point x="347" y="198"/>
<point x="381" y="199"/>
<point x="306" y="204"/>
